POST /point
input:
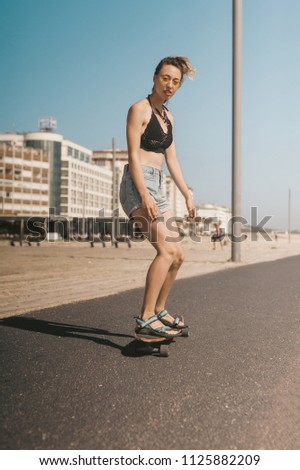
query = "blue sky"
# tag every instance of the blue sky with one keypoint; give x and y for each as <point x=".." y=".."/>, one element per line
<point x="86" y="61"/>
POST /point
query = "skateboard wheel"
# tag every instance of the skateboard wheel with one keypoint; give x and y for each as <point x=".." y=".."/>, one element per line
<point x="164" y="350"/>
<point x="185" y="332"/>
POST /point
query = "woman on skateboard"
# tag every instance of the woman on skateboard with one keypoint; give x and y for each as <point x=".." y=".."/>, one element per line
<point x="150" y="140"/>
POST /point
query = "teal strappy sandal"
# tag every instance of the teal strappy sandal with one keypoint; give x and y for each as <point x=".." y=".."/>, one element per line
<point x="146" y="329"/>
<point x="173" y="325"/>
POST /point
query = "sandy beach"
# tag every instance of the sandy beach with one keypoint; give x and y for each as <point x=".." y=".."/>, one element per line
<point x="52" y="274"/>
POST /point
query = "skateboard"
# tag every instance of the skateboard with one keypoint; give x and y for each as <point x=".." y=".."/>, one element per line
<point x="156" y="346"/>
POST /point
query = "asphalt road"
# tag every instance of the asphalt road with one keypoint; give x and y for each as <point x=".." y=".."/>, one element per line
<point x="70" y="379"/>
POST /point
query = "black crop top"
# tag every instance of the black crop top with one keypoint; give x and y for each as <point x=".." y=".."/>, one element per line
<point x="154" y="139"/>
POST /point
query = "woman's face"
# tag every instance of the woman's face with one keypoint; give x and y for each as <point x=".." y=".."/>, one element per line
<point x="167" y="81"/>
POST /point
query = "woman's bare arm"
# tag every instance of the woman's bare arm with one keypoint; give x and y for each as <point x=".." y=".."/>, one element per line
<point x="135" y="121"/>
<point x="176" y="173"/>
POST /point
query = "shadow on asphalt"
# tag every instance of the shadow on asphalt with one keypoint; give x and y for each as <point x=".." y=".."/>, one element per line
<point x="64" y="330"/>
<point x="137" y="349"/>
<point x="133" y="349"/>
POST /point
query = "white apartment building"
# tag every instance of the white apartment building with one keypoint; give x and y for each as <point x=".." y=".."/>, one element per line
<point x="104" y="159"/>
<point x="175" y="198"/>
<point x="76" y="186"/>
<point x="214" y="213"/>
<point x="85" y="187"/>
<point x="24" y="181"/>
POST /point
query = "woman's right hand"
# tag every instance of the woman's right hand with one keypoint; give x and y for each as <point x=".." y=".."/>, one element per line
<point x="149" y="207"/>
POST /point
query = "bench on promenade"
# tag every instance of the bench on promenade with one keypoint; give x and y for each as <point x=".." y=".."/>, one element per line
<point x="115" y="242"/>
<point x="27" y="240"/>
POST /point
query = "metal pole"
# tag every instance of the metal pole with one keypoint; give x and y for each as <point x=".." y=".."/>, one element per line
<point x="113" y="190"/>
<point x="236" y="129"/>
<point x="83" y="208"/>
<point x="289" y="216"/>
<point x="21" y="231"/>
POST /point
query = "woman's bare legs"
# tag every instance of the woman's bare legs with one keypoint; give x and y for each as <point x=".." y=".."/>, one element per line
<point x="175" y="238"/>
<point x="163" y="269"/>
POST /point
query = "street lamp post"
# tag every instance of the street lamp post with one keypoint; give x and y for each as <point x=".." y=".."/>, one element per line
<point x="113" y="235"/>
<point x="83" y="207"/>
<point x="236" y="129"/>
<point x="289" y="216"/>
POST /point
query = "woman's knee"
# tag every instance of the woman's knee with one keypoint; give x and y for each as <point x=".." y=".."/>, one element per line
<point x="169" y="255"/>
<point x="176" y="256"/>
<point x="179" y="257"/>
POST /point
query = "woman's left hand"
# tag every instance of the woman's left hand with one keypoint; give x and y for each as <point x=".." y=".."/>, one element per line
<point x="191" y="209"/>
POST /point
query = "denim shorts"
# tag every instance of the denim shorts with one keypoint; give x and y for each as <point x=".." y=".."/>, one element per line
<point x="130" y="197"/>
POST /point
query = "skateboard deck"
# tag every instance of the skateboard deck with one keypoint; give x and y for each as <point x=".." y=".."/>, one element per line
<point x="155" y="345"/>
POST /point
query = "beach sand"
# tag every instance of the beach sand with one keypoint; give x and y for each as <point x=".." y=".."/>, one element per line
<point x="52" y="274"/>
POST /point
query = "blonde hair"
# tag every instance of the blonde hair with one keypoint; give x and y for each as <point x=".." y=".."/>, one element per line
<point x="181" y="62"/>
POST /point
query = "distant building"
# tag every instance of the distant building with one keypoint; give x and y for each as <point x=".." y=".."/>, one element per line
<point x="104" y="159"/>
<point x="214" y="213"/>
<point x="85" y="188"/>
<point x="175" y="198"/>
<point x="24" y="181"/>
<point x="76" y="187"/>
